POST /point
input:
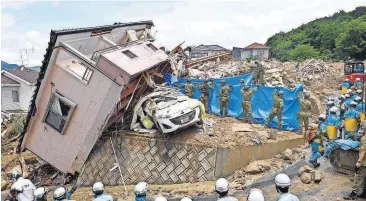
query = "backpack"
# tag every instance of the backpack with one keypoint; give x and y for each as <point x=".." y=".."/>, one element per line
<point x="310" y="133"/>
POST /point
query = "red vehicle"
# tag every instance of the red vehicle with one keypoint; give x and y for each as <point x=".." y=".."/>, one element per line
<point x="353" y="70"/>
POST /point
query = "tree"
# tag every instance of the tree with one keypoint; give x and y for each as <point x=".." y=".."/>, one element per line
<point x="302" y="52"/>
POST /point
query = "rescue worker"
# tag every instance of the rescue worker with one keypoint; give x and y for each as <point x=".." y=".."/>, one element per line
<point x="283" y="184"/>
<point x="351" y="121"/>
<point x="276" y="109"/>
<point x="255" y="194"/>
<point x="351" y="94"/>
<point x="304" y="113"/>
<point x="333" y="124"/>
<point x="140" y="191"/>
<point x="345" y="86"/>
<point x="358" y="94"/>
<point x="358" y="84"/>
<point x="361" y="107"/>
<point x="40" y="194"/>
<point x="188" y="88"/>
<point x="347" y="102"/>
<point x="98" y="190"/>
<point x="16" y="193"/>
<point x="222" y="188"/>
<point x="61" y="194"/>
<point x="259" y="73"/>
<point x="360" y="175"/>
<point x="317" y="148"/>
<point x="224" y="98"/>
<point x="330" y="104"/>
<point x="28" y="186"/>
<point x="205" y="92"/>
<point x="341" y="98"/>
<point x="247" y="103"/>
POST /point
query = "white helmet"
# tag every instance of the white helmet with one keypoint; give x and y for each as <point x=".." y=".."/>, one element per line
<point x="60" y="193"/>
<point x="347" y="96"/>
<point x="255" y="195"/>
<point x="349" y="91"/>
<point x="353" y="103"/>
<point x="321" y="116"/>
<point x="346" y="79"/>
<point x="141" y="189"/>
<point x="333" y="109"/>
<point x="98" y="188"/>
<point x="15" y="175"/>
<point x="330" y="103"/>
<point x="282" y="180"/>
<point x="359" y="91"/>
<point x="160" y="198"/>
<point x="17" y="187"/>
<point x="40" y="193"/>
<point x="222" y="185"/>
<point x="358" y="79"/>
<point x="186" y="199"/>
<point x="357" y="98"/>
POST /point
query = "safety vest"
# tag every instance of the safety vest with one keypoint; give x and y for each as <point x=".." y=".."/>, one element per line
<point x="350" y="125"/>
<point x="332" y="132"/>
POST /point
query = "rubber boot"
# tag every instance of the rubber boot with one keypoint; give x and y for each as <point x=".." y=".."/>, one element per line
<point x="315" y="163"/>
<point x="351" y="196"/>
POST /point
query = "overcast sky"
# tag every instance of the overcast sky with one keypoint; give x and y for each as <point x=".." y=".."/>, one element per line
<point x="27" y="24"/>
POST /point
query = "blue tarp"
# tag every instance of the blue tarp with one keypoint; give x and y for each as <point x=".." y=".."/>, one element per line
<point x="262" y="99"/>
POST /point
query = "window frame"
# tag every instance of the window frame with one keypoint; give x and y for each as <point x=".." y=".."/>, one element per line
<point x="69" y="116"/>
<point x="152" y="47"/>
<point x="17" y="95"/>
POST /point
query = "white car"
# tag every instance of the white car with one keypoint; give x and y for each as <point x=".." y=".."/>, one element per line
<point x="168" y="110"/>
<point x="177" y="113"/>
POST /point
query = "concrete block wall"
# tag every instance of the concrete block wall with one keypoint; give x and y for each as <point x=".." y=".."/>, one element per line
<point x="166" y="162"/>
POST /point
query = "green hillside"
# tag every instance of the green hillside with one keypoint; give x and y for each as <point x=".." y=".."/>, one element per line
<point x="339" y="36"/>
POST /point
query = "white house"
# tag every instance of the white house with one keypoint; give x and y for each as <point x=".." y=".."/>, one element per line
<point x="255" y="49"/>
<point x="205" y="50"/>
<point x="17" y="86"/>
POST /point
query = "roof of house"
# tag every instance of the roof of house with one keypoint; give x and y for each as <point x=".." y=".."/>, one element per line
<point x="23" y="73"/>
<point x="208" y="48"/>
<point x="7" y="80"/>
<point x="53" y="38"/>
<point x="256" y="46"/>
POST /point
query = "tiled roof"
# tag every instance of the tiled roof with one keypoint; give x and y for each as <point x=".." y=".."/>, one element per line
<point x="6" y="80"/>
<point x="256" y="46"/>
<point x="208" y="48"/>
<point x="26" y="74"/>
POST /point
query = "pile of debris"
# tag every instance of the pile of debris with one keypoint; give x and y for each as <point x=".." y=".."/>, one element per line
<point x="260" y="168"/>
<point x="307" y="175"/>
<point x="318" y="70"/>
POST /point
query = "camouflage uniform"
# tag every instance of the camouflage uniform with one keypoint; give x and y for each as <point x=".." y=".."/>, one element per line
<point x="259" y="74"/>
<point x="224" y="99"/>
<point x="247" y="104"/>
<point x="188" y="89"/>
<point x="276" y="109"/>
<point x="360" y="175"/>
<point x="303" y="114"/>
<point x="205" y="93"/>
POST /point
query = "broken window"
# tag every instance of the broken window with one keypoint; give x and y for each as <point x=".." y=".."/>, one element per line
<point x="15" y="95"/>
<point x="59" y="112"/>
<point x="151" y="46"/>
<point x="129" y="54"/>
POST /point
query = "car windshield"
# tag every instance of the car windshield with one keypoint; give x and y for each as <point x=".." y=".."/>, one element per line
<point x="354" y="68"/>
<point x="358" y="68"/>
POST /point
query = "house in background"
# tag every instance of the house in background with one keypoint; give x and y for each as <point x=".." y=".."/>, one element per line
<point x="88" y="77"/>
<point x="17" y="86"/>
<point x="255" y="49"/>
<point x="205" y="50"/>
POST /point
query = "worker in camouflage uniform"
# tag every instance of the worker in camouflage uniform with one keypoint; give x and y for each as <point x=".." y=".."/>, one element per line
<point x="205" y="92"/>
<point x="188" y="88"/>
<point x="276" y="109"/>
<point x="224" y="98"/>
<point x="358" y="190"/>
<point x="259" y="73"/>
<point x="247" y="103"/>
<point x="304" y="113"/>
